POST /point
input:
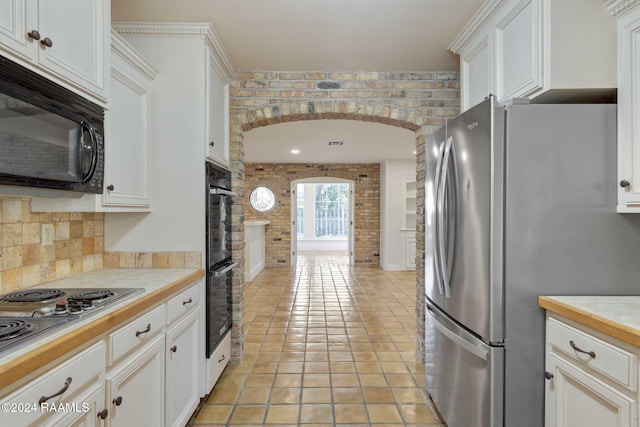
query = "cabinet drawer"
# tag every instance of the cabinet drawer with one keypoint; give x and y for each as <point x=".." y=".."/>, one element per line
<point x="184" y="302"/>
<point x="136" y="333"/>
<point x="220" y="358"/>
<point x="613" y="362"/>
<point x="69" y="377"/>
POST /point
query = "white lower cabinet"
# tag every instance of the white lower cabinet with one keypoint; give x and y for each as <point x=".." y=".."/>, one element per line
<point x="181" y="391"/>
<point x="144" y="372"/>
<point x="91" y="413"/>
<point x="592" y="379"/>
<point x="135" y="390"/>
<point x="63" y="389"/>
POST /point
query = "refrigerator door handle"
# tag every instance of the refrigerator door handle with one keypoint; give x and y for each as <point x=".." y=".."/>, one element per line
<point x="444" y="224"/>
<point x="458" y="340"/>
<point x="436" y="220"/>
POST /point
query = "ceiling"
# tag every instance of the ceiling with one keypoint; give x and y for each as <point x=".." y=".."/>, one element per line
<point x="362" y="142"/>
<point x="322" y="35"/>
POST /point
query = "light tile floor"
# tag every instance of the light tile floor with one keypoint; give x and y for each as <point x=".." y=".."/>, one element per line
<point x="326" y="345"/>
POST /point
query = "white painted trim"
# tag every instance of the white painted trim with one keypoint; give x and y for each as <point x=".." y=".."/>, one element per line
<point x="487" y="10"/>
<point x="129" y="54"/>
<point x="225" y="68"/>
<point x="617" y="8"/>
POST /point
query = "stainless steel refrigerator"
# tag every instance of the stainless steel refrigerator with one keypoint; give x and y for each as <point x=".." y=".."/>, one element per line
<point x="520" y="202"/>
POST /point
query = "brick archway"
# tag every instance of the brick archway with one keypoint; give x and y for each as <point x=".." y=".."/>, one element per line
<point x="419" y="101"/>
<point x="319" y="110"/>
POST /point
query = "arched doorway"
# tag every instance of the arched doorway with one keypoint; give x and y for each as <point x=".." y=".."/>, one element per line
<point x="274" y="113"/>
<point x="327" y="225"/>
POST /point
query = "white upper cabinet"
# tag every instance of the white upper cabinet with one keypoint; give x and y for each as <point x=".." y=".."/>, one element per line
<point x="542" y="49"/>
<point x="199" y="88"/>
<point x="475" y="71"/>
<point x="628" y="14"/>
<point x="66" y="41"/>
<point x="518" y="53"/>
<point x="127" y="134"/>
<point x="217" y="114"/>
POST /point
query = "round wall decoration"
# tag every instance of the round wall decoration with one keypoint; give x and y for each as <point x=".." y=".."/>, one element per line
<point x="262" y="199"/>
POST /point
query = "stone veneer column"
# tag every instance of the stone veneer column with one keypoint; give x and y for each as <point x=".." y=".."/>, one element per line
<point x="420" y="101"/>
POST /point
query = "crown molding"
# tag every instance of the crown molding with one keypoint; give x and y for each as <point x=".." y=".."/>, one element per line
<point x="170" y="29"/>
<point x="618" y="8"/>
<point x="483" y="14"/>
<point x="122" y="48"/>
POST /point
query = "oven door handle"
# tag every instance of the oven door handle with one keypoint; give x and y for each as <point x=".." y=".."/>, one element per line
<point x="223" y="192"/>
<point x="219" y="273"/>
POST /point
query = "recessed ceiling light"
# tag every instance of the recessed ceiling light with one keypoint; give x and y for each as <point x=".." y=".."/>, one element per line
<point x="295" y="151"/>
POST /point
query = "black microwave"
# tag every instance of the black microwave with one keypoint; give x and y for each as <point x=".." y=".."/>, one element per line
<point x="50" y="137"/>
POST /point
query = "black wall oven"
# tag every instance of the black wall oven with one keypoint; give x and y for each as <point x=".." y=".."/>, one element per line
<point x="50" y="137"/>
<point x="219" y="259"/>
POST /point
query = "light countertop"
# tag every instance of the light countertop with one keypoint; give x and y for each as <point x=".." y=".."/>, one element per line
<point x="256" y="223"/>
<point x="157" y="283"/>
<point x="616" y="316"/>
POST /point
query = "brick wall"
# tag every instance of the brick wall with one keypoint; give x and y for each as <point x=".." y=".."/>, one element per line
<point x="278" y="178"/>
<point x="420" y="101"/>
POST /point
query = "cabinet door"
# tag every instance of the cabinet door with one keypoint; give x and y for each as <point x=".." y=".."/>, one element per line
<point x="77" y="30"/>
<point x="16" y="20"/>
<point x="518" y="52"/>
<point x="127" y="133"/>
<point x="574" y="398"/>
<point x="135" y="394"/>
<point x="182" y="370"/>
<point x="216" y="115"/>
<point x="629" y="112"/>
<point x="85" y="414"/>
<point x="475" y="72"/>
<point x="410" y="251"/>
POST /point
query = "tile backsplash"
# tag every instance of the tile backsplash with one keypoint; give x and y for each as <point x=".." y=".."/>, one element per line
<point x="77" y="247"/>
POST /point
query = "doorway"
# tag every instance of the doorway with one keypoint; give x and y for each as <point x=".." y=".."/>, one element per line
<point x="322" y="212"/>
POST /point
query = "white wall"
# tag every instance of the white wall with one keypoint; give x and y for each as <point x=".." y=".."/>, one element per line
<point x="393" y="174"/>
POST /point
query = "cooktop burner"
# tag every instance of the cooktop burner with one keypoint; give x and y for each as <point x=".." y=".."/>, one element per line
<point x="60" y="301"/>
<point x="32" y="295"/>
<point x="15" y="332"/>
<point x="36" y="312"/>
<point x="12" y="328"/>
<point x="94" y="295"/>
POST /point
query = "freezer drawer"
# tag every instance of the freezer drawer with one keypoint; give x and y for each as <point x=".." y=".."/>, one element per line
<point x="465" y="376"/>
